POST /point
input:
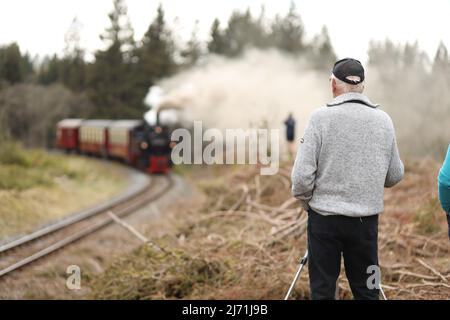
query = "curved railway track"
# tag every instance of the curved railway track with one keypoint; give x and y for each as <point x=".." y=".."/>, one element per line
<point x="35" y="246"/>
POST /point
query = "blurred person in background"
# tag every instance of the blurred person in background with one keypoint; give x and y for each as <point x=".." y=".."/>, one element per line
<point x="348" y="155"/>
<point x="444" y="187"/>
<point x="290" y="134"/>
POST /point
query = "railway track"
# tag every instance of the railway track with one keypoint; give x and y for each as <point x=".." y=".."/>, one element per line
<point x="24" y="251"/>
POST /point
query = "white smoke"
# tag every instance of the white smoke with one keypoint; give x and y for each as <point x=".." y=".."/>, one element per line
<point x="259" y="89"/>
<point x="238" y="93"/>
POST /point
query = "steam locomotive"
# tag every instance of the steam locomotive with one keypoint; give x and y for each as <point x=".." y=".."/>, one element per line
<point x="143" y="144"/>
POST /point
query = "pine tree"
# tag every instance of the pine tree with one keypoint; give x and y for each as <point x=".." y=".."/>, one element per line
<point x="156" y="53"/>
<point x="238" y="35"/>
<point x="49" y="70"/>
<point x="14" y="67"/>
<point x="414" y="59"/>
<point x="288" y="32"/>
<point x="385" y="54"/>
<point x="324" y="55"/>
<point x="262" y="37"/>
<point x="111" y="79"/>
<point x="439" y="84"/>
<point x="120" y="33"/>
<point x="441" y="63"/>
<point x="72" y="40"/>
<point x="72" y="71"/>
<point x="193" y="51"/>
<point x="216" y="43"/>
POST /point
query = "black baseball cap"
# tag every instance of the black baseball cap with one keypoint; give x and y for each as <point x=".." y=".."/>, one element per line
<point x="349" y="70"/>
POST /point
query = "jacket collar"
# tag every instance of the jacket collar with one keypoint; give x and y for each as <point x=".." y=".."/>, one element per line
<point x="352" y="97"/>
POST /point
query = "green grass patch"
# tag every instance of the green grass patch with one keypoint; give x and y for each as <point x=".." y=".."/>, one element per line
<point x="428" y="216"/>
<point x="147" y="274"/>
<point x="22" y="169"/>
<point x="37" y="187"/>
<point x="12" y="153"/>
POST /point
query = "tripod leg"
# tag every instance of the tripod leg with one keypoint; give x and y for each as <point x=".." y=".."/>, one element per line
<point x="382" y="293"/>
<point x="303" y="261"/>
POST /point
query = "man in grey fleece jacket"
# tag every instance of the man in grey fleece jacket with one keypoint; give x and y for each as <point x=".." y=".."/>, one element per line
<point x="347" y="156"/>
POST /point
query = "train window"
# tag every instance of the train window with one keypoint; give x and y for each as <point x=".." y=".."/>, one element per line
<point x="119" y="136"/>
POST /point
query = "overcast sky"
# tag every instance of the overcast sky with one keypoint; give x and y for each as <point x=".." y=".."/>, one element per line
<point x="39" y="26"/>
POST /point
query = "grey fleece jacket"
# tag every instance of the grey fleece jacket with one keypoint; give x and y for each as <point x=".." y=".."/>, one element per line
<point x="347" y="156"/>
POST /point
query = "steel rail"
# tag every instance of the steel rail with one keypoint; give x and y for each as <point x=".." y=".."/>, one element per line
<point x="75" y="218"/>
<point x="84" y="232"/>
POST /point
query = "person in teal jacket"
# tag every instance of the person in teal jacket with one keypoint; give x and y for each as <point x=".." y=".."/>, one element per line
<point x="444" y="187"/>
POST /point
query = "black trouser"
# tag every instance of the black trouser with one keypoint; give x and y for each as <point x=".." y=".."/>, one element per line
<point x="448" y="221"/>
<point x="356" y="239"/>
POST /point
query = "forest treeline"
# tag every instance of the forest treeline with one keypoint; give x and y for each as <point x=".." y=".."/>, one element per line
<point x="415" y="91"/>
<point x="114" y="84"/>
<point x="35" y="94"/>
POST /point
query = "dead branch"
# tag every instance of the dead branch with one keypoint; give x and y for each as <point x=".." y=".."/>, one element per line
<point x="431" y="269"/>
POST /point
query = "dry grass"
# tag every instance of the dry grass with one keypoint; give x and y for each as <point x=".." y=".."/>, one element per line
<point x="246" y="240"/>
<point x="36" y="188"/>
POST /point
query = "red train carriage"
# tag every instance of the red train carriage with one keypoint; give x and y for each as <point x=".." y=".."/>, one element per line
<point x="93" y="137"/>
<point x="124" y="139"/>
<point x="142" y="144"/>
<point x="67" y="134"/>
